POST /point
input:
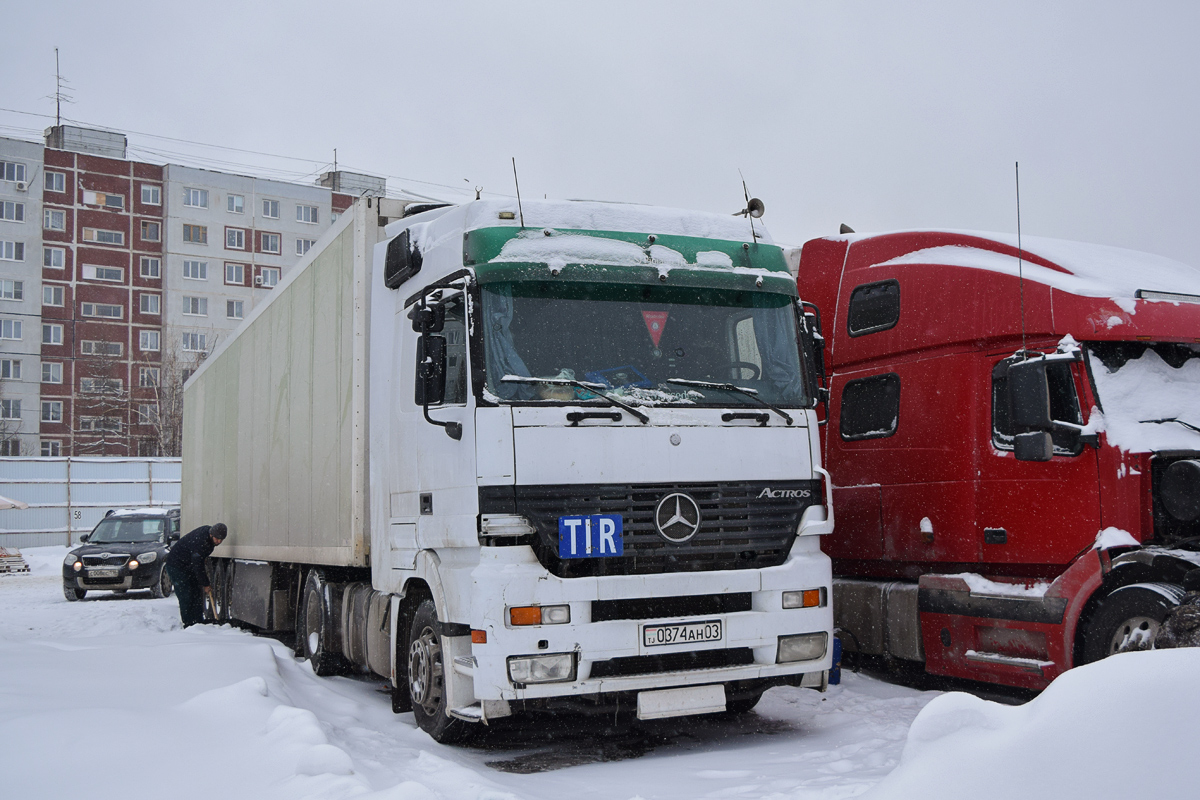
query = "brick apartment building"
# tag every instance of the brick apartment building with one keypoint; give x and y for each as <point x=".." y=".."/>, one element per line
<point x="140" y="269"/>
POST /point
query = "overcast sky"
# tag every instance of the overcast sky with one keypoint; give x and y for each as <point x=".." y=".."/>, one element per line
<point x="883" y="115"/>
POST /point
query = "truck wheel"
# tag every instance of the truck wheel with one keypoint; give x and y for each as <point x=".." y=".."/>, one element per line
<point x="317" y="626"/>
<point x="426" y="679"/>
<point x="220" y="587"/>
<point x="1128" y="619"/>
<point x="162" y="587"/>
<point x="742" y="704"/>
<point x="73" y="592"/>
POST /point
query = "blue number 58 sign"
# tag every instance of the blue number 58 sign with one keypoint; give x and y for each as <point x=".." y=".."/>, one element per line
<point x="590" y="536"/>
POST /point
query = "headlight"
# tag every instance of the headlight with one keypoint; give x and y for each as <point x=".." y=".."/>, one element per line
<point x="809" y="598"/>
<point x="549" y="668"/>
<point x="133" y="564"/>
<point x="805" y="647"/>
<point x="539" y="615"/>
<point x="70" y="559"/>
<point x="146" y="558"/>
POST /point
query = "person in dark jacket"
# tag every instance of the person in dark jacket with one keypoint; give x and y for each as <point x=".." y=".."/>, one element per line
<point x="185" y="565"/>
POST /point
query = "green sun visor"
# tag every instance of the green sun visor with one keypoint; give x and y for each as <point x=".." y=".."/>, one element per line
<point x="507" y="254"/>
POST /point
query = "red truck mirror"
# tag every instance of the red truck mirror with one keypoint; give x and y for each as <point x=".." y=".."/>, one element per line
<point x="1029" y="395"/>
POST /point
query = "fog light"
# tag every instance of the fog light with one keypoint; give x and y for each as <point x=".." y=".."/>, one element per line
<point x="550" y="668"/>
<point x="809" y="598"/>
<point x="133" y="564"/>
<point x="539" y="615"/>
<point x="804" y="647"/>
<point x="78" y="566"/>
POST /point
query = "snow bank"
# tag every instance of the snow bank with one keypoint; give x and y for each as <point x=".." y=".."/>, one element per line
<point x="1148" y="388"/>
<point x="1120" y="728"/>
<point x="45" y="560"/>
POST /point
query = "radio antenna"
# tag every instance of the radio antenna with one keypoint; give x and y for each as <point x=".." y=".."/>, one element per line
<point x="518" y="185"/>
<point x="1020" y="258"/>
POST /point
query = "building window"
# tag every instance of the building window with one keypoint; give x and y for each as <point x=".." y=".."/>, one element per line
<point x="12" y="211"/>
<point x="10" y="409"/>
<point x="270" y="242"/>
<point x="111" y="424"/>
<point x="270" y="276"/>
<point x="233" y="309"/>
<point x="55" y="181"/>
<point x="52" y="295"/>
<point x="151" y="231"/>
<point x="307" y="214"/>
<point x="193" y="343"/>
<point x="196" y="234"/>
<point x="271" y="209"/>
<point x="148" y="341"/>
<point x="195" y="270"/>
<point x="12" y="290"/>
<point x="102" y="236"/>
<point x="54" y="220"/>
<point x="52" y="410"/>
<point x="12" y="171"/>
<point x="147" y="377"/>
<point x="91" y="347"/>
<point x="54" y="257"/>
<point x="196" y="198"/>
<point x="97" y="273"/>
<point x="235" y="274"/>
<point x="51" y="334"/>
<point x="303" y="245"/>
<point x="235" y="239"/>
<point x="147" y="413"/>
<point x="51" y="448"/>
<point x="151" y="267"/>
<point x="12" y="251"/>
<point x="100" y="385"/>
<point x="10" y="447"/>
<point x="10" y="329"/>
<point x="235" y="203"/>
<point x="10" y="368"/>
<point x="103" y="310"/>
<point x="51" y="372"/>
<point x="151" y="195"/>
<point x="113" y="201"/>
<point x="151" y="304"/>
<point x="195" y="306"/>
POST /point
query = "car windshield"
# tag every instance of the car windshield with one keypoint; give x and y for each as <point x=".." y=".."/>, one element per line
<point x="1149" y="393"/>
<point x="128" y="529"/>
<point x="632" y="340"/>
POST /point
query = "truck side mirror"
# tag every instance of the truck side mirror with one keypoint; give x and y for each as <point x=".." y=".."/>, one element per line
<point x="1033" y="446"/>
<point x="814" y="326"/>
<point x="428" y="319"/>
<point x="1029" y="395"/>
<point x="402" y="262"/>
<point x="431" y="370"/>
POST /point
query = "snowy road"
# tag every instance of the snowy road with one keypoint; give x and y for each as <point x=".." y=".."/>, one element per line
<point x="110" y="698"/>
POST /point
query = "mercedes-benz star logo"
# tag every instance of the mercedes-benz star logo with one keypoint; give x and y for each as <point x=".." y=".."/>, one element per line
<point x="677" y="517"/>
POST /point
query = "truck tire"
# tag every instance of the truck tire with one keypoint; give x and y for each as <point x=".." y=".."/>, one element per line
<point x="1128" y="619"/>
<point x="316" y="628"/>
<point x="162" y="587"/>
<point x="220" y="587"/>
<point x="73" y="592"/>
<point x="743" y="704"/>
<point x="426" y="680"/>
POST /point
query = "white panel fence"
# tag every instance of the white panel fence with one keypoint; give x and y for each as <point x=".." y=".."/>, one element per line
<point x="68" y="496"/>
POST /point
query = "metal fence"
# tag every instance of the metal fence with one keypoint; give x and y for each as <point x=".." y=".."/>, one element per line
<point x="68" y="496"/>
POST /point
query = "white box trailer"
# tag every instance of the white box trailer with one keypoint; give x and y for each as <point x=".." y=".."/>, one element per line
<point x="558" y="456"/>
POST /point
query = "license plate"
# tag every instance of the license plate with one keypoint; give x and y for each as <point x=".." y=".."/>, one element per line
<point x="103" y="572"/>
<point x="684" y="633"/>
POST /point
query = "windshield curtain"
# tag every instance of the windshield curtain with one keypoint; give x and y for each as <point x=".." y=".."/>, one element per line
<point x="632" y="339"/>
<point x="118" y="529"/>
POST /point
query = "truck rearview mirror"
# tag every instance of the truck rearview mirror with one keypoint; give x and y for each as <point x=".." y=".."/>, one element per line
<point x="1029" y="395"/>
<point x="402" y="262"/>
<point x="427" y="318"/>
<point x="1033" y="446"/>
<point x="431" y="370"/>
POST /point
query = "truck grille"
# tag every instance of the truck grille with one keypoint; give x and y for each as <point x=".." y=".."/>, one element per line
<point x="672" y="662"/>
<point x="698" y="605"/>
<point x="744" y="525"/>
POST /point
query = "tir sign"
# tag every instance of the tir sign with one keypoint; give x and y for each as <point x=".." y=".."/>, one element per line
<point x="590" y="536"/>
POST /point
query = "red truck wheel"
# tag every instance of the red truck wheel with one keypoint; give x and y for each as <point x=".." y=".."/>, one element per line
<point x="1128" y="619"/>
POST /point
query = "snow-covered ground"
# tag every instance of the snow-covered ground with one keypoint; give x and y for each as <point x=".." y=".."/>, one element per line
<point x="110" y="698"/>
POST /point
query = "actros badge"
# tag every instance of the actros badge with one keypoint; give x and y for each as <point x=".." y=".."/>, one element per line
<point x="677" y="517"/>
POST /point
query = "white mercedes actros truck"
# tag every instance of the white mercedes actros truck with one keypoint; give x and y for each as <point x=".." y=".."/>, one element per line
<point x="520" y="459"/>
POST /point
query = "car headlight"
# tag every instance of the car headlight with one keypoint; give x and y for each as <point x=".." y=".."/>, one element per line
<point x="548" y="668"/>
<point x="146" y="558"/>
<point x="70" y="559"/>
<point x="538" y="615"/>
<point x="133" y="564"/>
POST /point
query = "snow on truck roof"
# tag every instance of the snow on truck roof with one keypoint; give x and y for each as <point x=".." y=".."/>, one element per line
<point x="1089" y="270"/>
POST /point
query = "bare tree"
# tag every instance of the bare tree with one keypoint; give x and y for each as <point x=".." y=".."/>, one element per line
<point x="166" y="378"/>
<point x="104" y="402"/>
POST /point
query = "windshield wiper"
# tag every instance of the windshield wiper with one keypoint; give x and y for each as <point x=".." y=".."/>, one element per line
<point x="729" y="387"/>
<point x="1187" y="425"/>
<point x="595" y="388"/>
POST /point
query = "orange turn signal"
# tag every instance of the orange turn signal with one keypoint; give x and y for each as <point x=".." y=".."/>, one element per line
<point x="812" y="598"/>
<point x="525" y="615"/>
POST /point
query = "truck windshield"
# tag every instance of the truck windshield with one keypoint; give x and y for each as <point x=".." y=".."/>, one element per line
<point x="1149" y="393"/>
<point x="122" y="529"/>
<point x="632" y="339"/>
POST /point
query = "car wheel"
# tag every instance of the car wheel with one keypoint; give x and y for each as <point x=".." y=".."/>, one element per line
<point x="426" y="679"/>
<point x="162" y="587"/>
<point x="73" y="592"/>
<point x="317" y="628"/>
<point x="1128" y="619"/>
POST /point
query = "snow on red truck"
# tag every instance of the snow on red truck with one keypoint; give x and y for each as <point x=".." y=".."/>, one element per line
<point x="1016" y="468"/>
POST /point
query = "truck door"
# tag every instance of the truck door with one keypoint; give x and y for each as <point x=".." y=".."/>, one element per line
<point x="1035" y="512"/>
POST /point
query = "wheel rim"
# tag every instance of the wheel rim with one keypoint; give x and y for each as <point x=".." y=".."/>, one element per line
<point x="312" y="624"/>
<point x="425" y="671"/>
<point x="1135" y="633"/>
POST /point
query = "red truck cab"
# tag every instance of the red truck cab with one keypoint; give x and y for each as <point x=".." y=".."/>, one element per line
<point x="984" y="542"/>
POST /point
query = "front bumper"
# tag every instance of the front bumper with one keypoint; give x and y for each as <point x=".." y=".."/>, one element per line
<point x="750" y="637"/>
<point x="140" y="578"/>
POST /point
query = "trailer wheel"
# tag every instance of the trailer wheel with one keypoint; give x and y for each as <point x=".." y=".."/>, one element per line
<point x="162" y="587"/>
<point x="220" y="587"/>
<point x="1128" y="619"/>
<point x="72" y="592"/>
<point x="426" y="678"/>
<point x="316" y="628"/>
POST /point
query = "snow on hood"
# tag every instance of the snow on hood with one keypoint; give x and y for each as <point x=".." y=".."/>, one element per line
<point x="1093" y="270"/>
<point x="1148" y="388"/>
